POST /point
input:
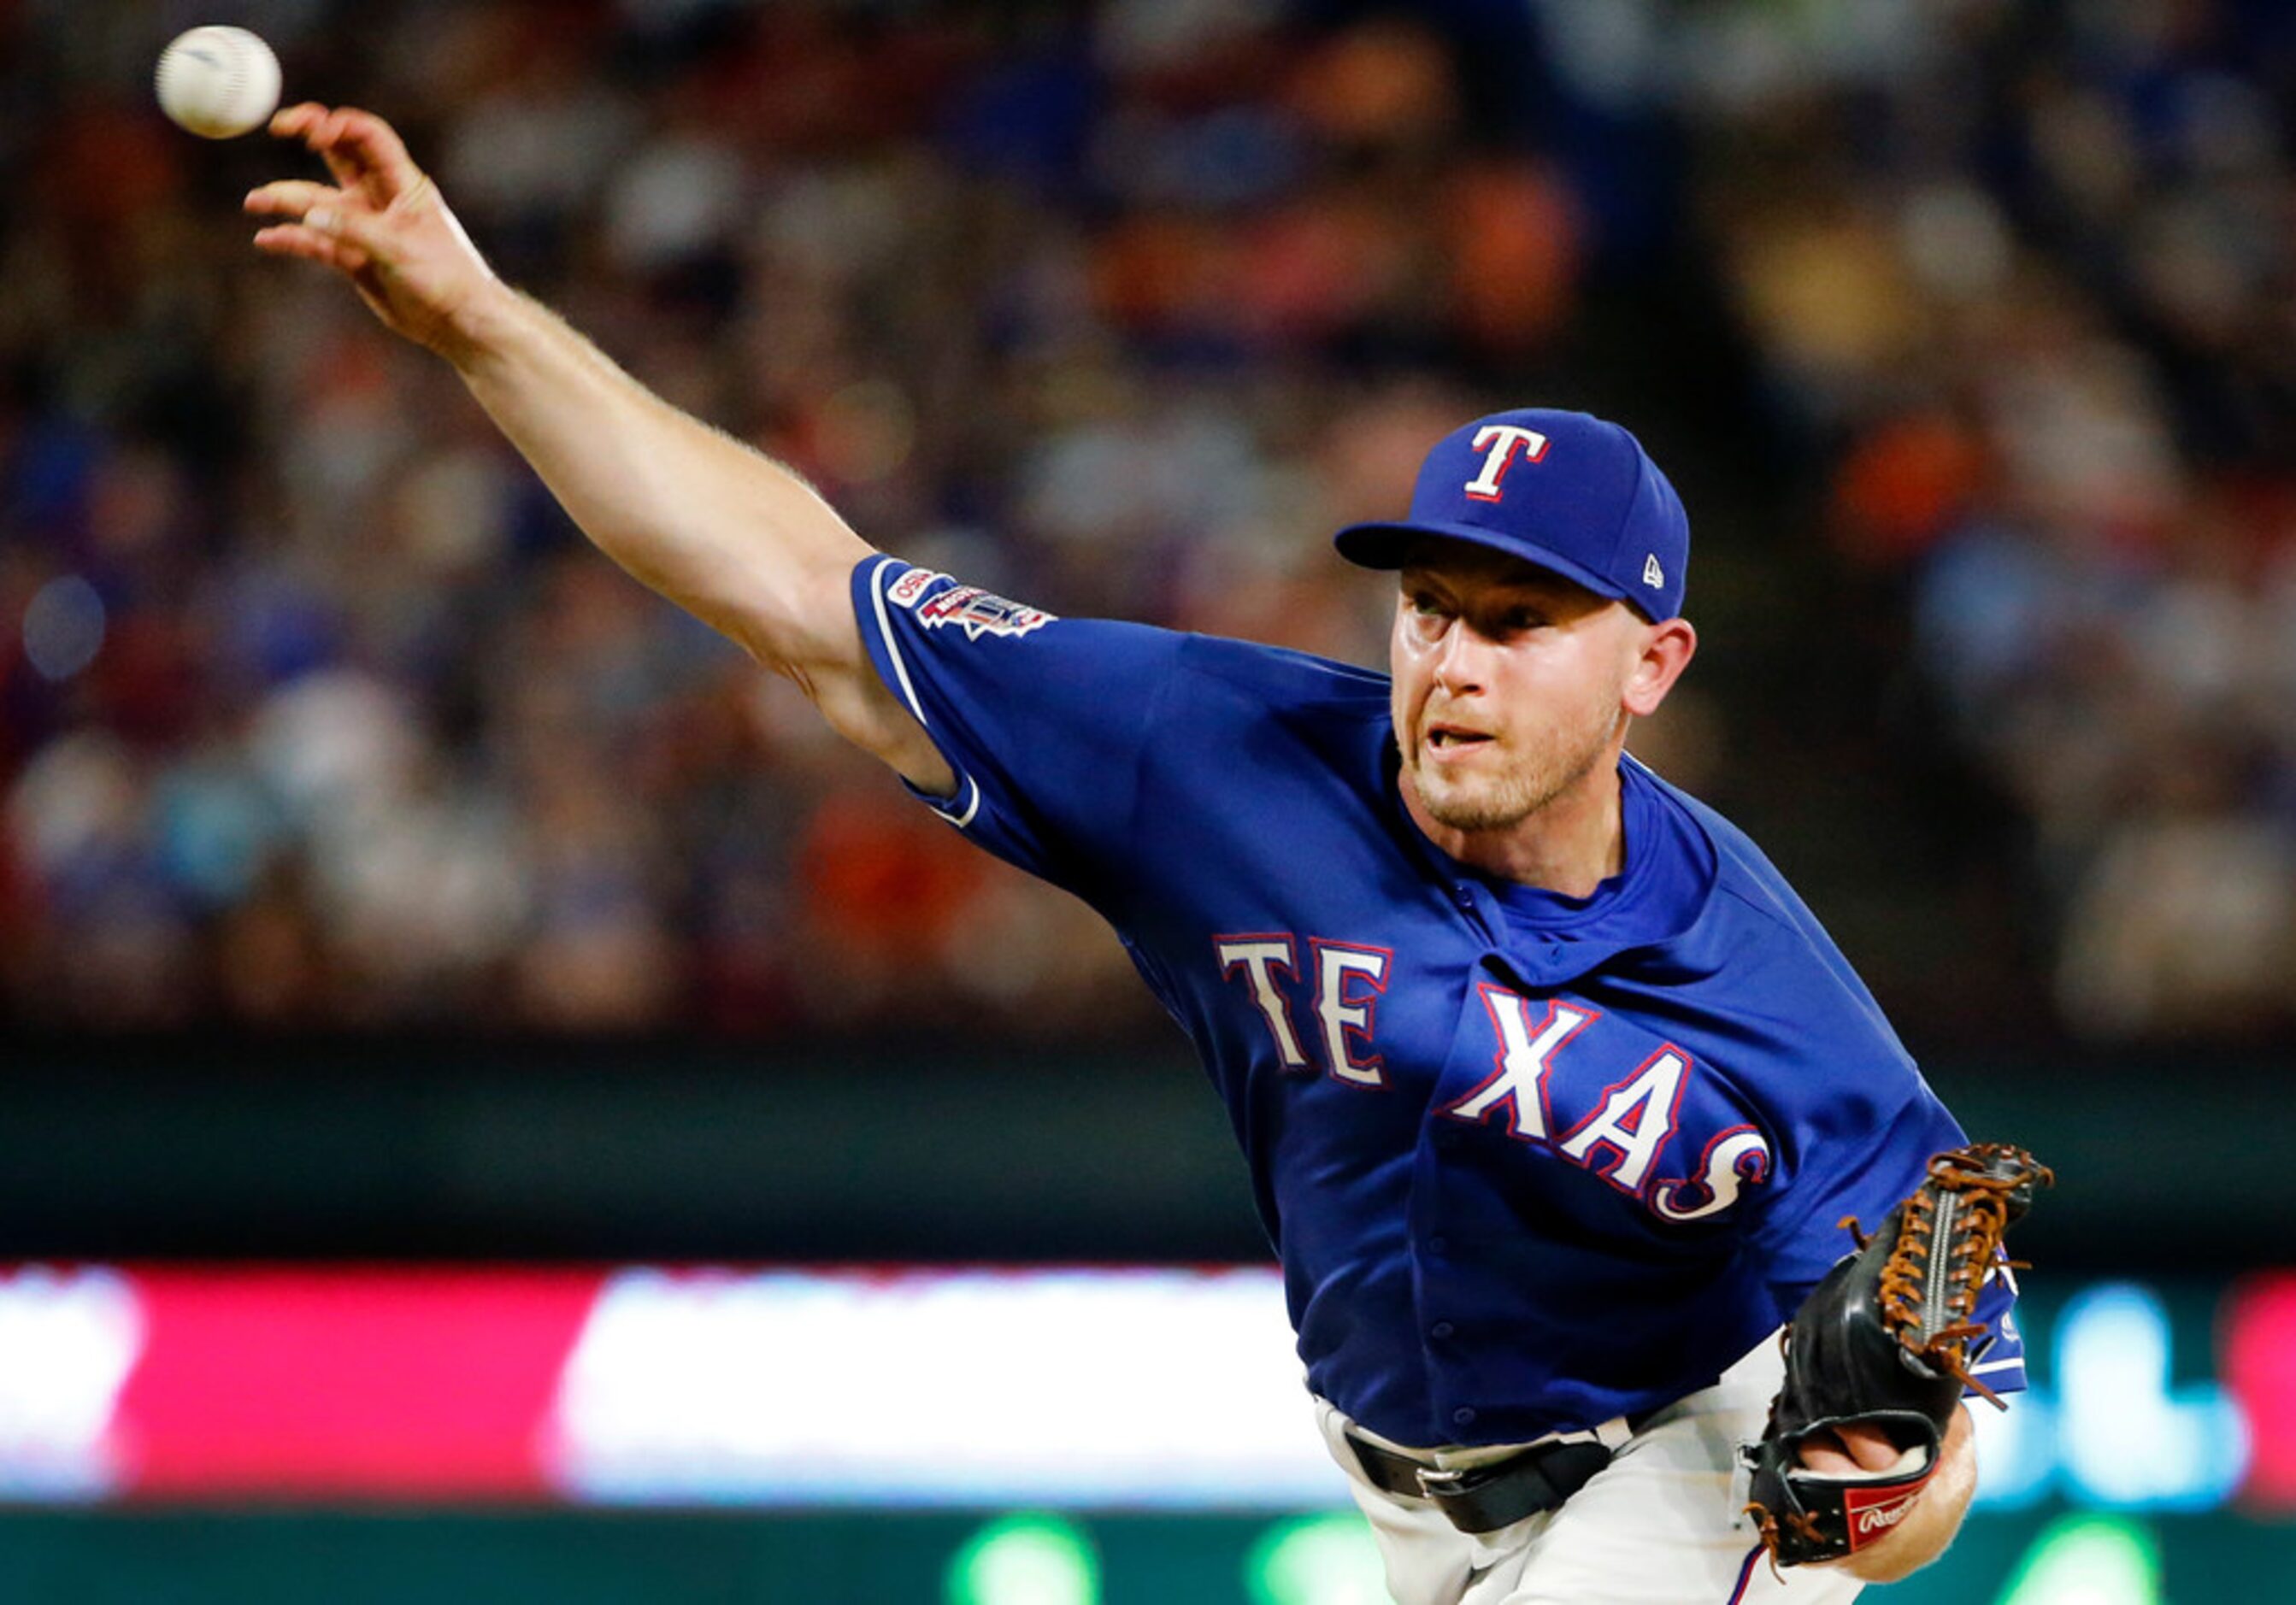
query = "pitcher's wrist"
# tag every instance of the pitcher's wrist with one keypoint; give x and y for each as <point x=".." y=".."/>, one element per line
<point x="483" y="328"/>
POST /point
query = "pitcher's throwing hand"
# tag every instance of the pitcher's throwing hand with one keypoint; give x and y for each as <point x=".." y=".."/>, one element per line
<point x="381" y="224"/>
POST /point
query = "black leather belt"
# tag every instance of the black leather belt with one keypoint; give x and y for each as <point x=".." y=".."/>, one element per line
<point x="1483" y="1499"/>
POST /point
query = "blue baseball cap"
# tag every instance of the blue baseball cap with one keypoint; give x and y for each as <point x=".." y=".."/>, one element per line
<point x="1565" y="491"/>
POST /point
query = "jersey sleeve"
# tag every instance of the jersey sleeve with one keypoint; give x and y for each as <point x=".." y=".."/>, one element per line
<point x="1045" y="719"/>
<point x="1998" y="1359"/>
<point x="1802" y="1237"/>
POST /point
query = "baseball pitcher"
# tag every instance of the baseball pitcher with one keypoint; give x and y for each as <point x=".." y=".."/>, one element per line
<point x="1555" y="1097"/>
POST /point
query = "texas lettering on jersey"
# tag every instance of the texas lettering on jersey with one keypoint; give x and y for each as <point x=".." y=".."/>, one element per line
<point x="1625" y="1133"/>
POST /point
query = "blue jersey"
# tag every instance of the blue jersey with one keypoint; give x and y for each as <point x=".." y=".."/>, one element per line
<point x="1530" y="1162"/>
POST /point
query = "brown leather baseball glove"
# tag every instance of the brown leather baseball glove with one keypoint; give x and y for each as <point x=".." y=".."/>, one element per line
<point x="1885" y="1342"/>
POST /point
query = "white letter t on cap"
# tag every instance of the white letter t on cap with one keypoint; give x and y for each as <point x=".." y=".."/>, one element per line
<point x="1497" y="443"/>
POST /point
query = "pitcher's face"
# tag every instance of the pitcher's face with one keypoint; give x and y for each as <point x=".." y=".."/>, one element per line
<point x="1510" y="684"/>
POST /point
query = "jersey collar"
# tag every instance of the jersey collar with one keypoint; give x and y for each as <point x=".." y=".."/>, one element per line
<point x="1549" y="940"/>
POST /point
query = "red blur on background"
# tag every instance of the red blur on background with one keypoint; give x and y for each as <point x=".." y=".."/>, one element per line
<point x="384" y="1383"/>
<point x="2260" y="1372"/>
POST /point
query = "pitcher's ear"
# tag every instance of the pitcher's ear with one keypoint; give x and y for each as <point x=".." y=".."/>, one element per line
<point x="1666" y="651"/>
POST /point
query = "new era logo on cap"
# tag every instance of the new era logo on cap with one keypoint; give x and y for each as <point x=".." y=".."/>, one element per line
<point x="1567" y="491"/>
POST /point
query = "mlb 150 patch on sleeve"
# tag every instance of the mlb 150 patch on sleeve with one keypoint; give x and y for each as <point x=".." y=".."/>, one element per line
<point x="976" y="611"/>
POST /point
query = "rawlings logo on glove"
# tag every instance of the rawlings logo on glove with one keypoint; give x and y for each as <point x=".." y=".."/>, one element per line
<point x="1873" y="1513"/>
<point x="1884" y="1342"/>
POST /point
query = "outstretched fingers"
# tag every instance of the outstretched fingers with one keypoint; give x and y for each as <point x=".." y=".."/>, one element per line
<point x="361" y="150"/>
<point x="324" y="224"/>
<point x="290" y="198"/>
<point x="380" y="224"/>
<point x="294" y="122"/>
<point x="379" y="151"/>
<point x="294" y="240"/>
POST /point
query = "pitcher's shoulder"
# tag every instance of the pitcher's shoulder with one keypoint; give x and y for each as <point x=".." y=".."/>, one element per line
<point x="1280" y="673"/>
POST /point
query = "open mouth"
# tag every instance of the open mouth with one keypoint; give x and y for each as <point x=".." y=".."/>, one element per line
<point x="1443" y="738"/>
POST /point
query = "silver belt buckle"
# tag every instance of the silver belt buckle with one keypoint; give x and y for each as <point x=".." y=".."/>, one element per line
<point x="1430" y="1476"/>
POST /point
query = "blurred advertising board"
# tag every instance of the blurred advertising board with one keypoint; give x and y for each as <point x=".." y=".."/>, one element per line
<point x="1070" y="1424"/>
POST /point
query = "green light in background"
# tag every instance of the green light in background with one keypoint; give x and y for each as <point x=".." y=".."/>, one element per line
<point x="1317" y="1561"/>
<point x="2088" y="1561"/>
<point x="1025" y="1560"/>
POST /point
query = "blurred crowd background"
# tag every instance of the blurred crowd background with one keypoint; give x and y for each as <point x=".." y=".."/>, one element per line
<point x="1967" y="327"/>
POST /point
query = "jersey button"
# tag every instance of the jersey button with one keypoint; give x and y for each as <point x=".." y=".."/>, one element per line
<point x="1462" y="1417"/>
<point x="1441" y="1330"/>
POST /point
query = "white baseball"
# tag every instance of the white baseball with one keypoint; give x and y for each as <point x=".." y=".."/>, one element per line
<point x="218" y="82"/>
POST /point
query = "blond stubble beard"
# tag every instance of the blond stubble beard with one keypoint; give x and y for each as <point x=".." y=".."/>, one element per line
<point x="1504" y="801"/>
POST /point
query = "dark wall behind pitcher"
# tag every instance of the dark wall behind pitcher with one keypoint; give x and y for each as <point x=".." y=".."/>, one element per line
<point x="891" y="1151"/>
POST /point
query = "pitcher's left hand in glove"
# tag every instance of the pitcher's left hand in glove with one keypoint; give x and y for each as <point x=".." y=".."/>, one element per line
<point x="1884" y="1342"/>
